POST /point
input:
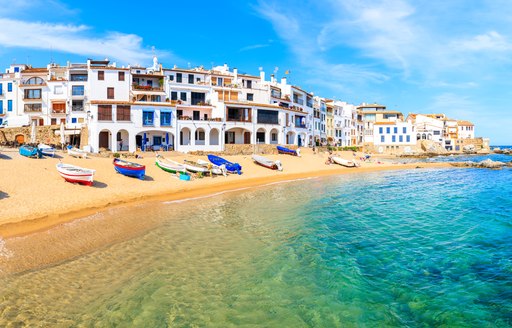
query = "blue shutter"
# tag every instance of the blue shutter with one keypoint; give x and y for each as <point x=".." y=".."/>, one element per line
<point x="9" y="86"/>
<point x="1" y="106"/>
<point x="1" y="85"/>
<point x="9" y="105"/>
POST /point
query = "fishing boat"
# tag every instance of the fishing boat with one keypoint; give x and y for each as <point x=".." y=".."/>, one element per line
<point x="215" y="169"/>
<point x="230" y="167"/>
<point x="129" y="169"/>
<point x="343" y="162"/>
<point x="29" y="151"/>
<point x="46" y="150"/>
<point x="75" y="152"/>
<point x="201" y="166"/>
<point x="172" y="167"/>
<point x="76" y="174"/>
<point x="268" y="163"/>
<point x="287" y="151"/>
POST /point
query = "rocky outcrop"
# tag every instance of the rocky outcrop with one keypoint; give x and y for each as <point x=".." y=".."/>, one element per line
<point x="432" y="147"/>
<point x="485" y="164"/>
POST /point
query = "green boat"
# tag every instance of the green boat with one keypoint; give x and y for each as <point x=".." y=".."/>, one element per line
<point x="172" y="167"/>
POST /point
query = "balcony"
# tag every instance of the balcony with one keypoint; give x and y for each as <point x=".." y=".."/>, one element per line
<point x="146" y="88"/>
<point x="33" y="108"/>
<point x="77" y="108"/>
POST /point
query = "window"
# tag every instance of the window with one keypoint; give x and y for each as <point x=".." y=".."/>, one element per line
<point x="197" y="98"/>
<point x="174" y="95"/>
<point x="104" y="112"/>
<point x="436" y="133"/>
<point x="165" y="118"/>
<point x="183" y="96"/>
<point x="16" y="69"/>
<point x="274" y="137"/>
<point x="34" y="81"/>
<point x="147" y="117"/>
<point x="57" y="90"/>
<point x="196" y="115"/>
<point x="53" y="121"/>
<point x="382" y="139"/>
<point x="249" y="84"/>
<point x="79" y="77"/>
<point x="120" y="76"/>
<point x="191" y="78"/>
<point x="171" y="77"/>
<point x="381" y="130"/>
<point x="200" y="135"/>
<point x="401" y="138"/>
<point x="178" y="77"/>
<point x="250" y="96"/>
<point x="110" y="93"/>
<point x="77" y="90"/>
<point x="408" y="138"/>
<point x="123" y="113"/>
<point x="268" y="116"/>
<point x="1" y="93"/>
<point x="77" y="105"/>
<point x="220" y="81"/>
<point x="404" y="130"/>
<point x="59" y="107"/>
<point x="32" y="94"/>
<point x="395" y="130"/>
<point x="73" y="120"/>
<point x="179" y="112"/>
<point x="101" y="75"/>
<point x="9" y="87"/>
<point x="388" y="130"/>
<point x="9" y="105"/>
<point x="1" y="106"/>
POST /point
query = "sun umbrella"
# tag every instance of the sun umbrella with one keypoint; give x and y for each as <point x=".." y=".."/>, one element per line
<point x="144" y="142"/>
<point x="167" y="140"/>
<point x="62" y="136"/>
<point x="33" y="132"/>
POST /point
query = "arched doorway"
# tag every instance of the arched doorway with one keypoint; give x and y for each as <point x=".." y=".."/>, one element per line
<point x="237" y="136"/>
<point x="274" y="136"/>
<point x="214" y="137"/>
<point x="104" y="139"/>
<point x="260" y="136"/>
<point x="200" y="137"/>
<point x="185" y="137"/>
<point x="290" y="138"/>
<point x="123" y="140"/>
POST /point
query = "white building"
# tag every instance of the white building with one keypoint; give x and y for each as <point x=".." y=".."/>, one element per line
<point x="395" y="135"/>
<point x="466" y="130"/>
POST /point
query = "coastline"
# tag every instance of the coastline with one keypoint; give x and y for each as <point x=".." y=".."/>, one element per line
<point x="25" y="236"/>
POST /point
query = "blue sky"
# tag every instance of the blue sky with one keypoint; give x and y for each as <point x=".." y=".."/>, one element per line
<point x="425" y="56"/>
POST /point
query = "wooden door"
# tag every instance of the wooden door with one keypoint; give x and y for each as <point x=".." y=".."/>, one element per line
<point x="247" y="138"/>
<point x="103" y="142"/>
<point x="20" y="139"/>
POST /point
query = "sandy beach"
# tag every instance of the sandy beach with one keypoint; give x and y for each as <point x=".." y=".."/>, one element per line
<point x="34" y="197"/>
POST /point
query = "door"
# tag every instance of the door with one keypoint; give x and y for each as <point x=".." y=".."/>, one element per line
<point x="103" y="142"/>
<point x="247" y="138"/>
<point x="196" y="115"/>
<point x="157" y="141"/>
<point x="20" y="139"/>
<point x="138" y="141"/>
<point x="41" y="122"/>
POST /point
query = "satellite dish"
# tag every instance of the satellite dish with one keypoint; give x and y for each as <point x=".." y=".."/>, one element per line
<point x="381" y="150"/>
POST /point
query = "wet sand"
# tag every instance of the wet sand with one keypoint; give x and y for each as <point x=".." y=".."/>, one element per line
<point x="38" y="207"/>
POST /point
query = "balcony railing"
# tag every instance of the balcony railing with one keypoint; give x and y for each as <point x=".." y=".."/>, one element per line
<point x="28" y="108"/>
<point x="59" y="111"/>
<point x="77" y="108"/>
<point x="146" y="88"/>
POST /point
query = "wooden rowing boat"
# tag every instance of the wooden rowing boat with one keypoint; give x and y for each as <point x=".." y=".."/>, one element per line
<point x="130" y="169"/>
<point x="76" y="174"/>
<point x="268" y="163"/>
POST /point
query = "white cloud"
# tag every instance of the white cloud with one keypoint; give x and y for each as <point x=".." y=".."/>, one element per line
<point x="491" y="41"/>
<point x="73" y="39"/>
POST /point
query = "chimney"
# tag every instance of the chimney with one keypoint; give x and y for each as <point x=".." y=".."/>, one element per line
<point x="262" y="77"/>
<point x="283" y="81"/>
<point x="272" y="78"/>
<point x="226" y="68"/>
<point x="235" y="73"/>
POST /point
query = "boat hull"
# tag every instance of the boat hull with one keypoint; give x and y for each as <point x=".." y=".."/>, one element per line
<point x="31" y="152"/>
<point x="130" y="169"/>
<point x="287" y="151"/>
<point x="75" y="174"/>
<point x="230" y="167"/>
<point x="46" y="150"/>
<point x="343" y="162"/>
<point x="265" y="162"/>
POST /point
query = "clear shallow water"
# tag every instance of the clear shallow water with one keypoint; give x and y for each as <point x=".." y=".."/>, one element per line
<point x="411" y="248"/>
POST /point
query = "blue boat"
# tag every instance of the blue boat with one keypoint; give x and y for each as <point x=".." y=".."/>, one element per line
<point x="284" y="150"/>
<point x="29" y="151"/>
<point x="230" y="167"/>
<point x="130" y="169"/>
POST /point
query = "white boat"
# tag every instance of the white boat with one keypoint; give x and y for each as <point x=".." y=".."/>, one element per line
<point x="268" y="163"/>
<point x="169" y="165"/>
<point x="343" y="162"/>
<point x="76" y="174"/>
<point x="214" y="169"/>
<point x="75" y="152"/>
<point x="46" y="150"/>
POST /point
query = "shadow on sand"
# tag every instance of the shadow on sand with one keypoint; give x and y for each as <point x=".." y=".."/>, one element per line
<point x="3" y="195"/>
<point x="3" y="156"/>
<point x="99" y="184"/>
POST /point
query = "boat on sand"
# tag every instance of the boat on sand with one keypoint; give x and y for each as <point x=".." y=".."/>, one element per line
<point x="267" y="162"/>
<point x="287" y="151"/>
<point x="76" y="174"/>
<point x="130" y="169"/>
<point x="231" y="167"/>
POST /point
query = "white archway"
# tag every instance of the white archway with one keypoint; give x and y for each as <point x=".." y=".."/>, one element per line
<point x="185" y="137"/>
<point x="274" y="136"/>
<point x="214" y="137"/>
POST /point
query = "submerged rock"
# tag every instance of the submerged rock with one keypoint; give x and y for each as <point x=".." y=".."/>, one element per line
<point x="485" y="164"/>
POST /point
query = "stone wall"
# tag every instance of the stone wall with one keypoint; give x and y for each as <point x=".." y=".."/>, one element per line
<point x="246" y="149"/>
<point x="44" y="134"/>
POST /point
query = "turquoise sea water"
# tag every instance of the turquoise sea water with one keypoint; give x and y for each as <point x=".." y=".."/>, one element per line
<point x="415" y="248"/>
